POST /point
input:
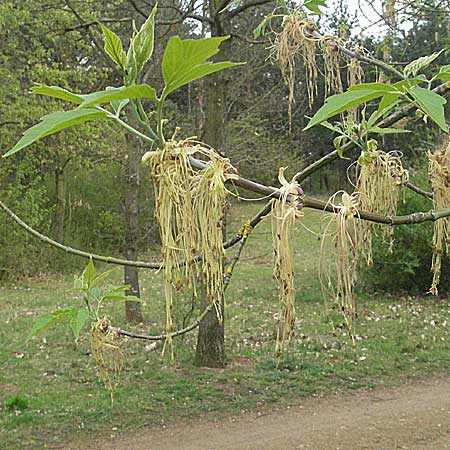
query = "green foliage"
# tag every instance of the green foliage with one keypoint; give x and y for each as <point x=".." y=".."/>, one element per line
<point x="408" y="267"/>
<point x="113" y="47"/>
<point x="119" y="94"/>
<point x="141" y="45"/>
<point x="415" y="67"/>
<point x="16" y="402"/>
<point x="53" y="123"/>
<point x="93" y="297"/>
<point x="427" y="101"/>
<point x="185" y="61"/>
<point x="431" y="104"/>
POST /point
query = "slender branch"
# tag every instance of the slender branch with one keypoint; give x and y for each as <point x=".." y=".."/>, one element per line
<point x="247" y="5"/>
<point x="94" y="39"/>
<point x="360" y="57"/>
<point x="410" y="219"/>
<point x="111" y="259"/>
<point x="419" y="191"/>
<point x="85" y="25"/>
<point x="442" y="89"/>
<point x="74" y="251"/>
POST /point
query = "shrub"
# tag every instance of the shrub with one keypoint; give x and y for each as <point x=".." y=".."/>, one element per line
<point x="407" y="268"/>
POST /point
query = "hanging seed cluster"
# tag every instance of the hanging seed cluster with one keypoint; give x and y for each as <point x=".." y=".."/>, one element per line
<point x="294" y="41"/>
<point x="338" y="277"/>
<point x="209" y="205"/>
<point x="439" y="174"/>
<point x="331" y="57"/>
<point x="189" y="210"/>
<point x="381" y="176"/>
<point x="355" y="76"/>
<point x="297" y="40"/>
<point x="284" y="213"/>
<point x="107" y="354"/>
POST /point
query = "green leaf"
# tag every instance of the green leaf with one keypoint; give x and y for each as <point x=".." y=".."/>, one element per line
<point x="100" y="278"/>
<point x="379" y="130"/>
<point x="116" y="289"/>
<point x="78" y="320"/>
<point x="113" y="47"/>
<point x="313" y="6"/>
<point x="58" y="92"/>
<point x="260" y="30"/>
<point x="121" y="93"/>
<point x="443" y="74"/>
<point x="123" y="298"/>
<point x="231" y="5"/>
<point x="88" y="274"/>
<point x="341" y="102"/>
<point x="53" y="123"/>
<point x="184" y="61"/>
<point x="414" y="67"/>
<point x="431" y="104"/>
<point x="46" y="320"/>
<point x="376" y="87"/>
<point x="143" y="42"/>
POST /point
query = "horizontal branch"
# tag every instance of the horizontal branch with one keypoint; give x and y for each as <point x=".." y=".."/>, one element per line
<point x="111" y="259"/>
<point x="410" y="219"/>
<point x="74" y="251"/>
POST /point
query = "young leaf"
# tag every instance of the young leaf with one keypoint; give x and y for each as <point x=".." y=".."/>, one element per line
<point x="58" y="92"/>
<point x="431" y="104"/>
<point x="379" y="130"/>
<point x="113" y="47"/>
<point x="414" y="67"/>
<point x="184" y="61"/>
<point x="53" y="123"/>
<point x="78" y="320"/>
<point x="313" y="6"/>
<point x="88" y="274"/>
<point x="143" y="42"/>
<point x="341" y="102"/>
<point x="443" y="74"/>
<point x="376" y="87"/>
<point x="123" y="298"/>
<point x="46" y="320"/>
<point x="260" y="30"/>
<point x="98" y="279"/>
<point x="121" y="93"/>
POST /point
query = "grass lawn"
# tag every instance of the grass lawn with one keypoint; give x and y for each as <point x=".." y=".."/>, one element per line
<point x="49" y="391"/>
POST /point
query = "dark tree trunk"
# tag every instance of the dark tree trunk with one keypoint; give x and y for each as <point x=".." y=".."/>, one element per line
<point x="60" y="206"/>
<point x="210" y="350"/>
<point x="133" y="312"/>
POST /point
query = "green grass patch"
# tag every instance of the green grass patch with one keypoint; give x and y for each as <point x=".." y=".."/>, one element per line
<point x="49" y="391"/>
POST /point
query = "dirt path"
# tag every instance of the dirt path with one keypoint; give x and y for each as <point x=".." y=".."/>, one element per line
<point x="414" y="416"/>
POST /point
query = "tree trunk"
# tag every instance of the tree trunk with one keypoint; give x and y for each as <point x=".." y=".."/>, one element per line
<point x="210" y="350"/>
<point x="60" y="207"/>
<point x="133" y="312"/>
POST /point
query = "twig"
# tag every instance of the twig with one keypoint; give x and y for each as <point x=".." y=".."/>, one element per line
<point x="419" y="191"/>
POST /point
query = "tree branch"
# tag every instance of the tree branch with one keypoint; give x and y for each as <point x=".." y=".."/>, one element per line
<point x="245" y="6"/>
<point x="360" y="57"/>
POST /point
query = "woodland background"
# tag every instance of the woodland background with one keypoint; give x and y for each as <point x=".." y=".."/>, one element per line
<point x="85" y="187"/>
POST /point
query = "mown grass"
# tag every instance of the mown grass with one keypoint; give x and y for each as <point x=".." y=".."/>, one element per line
<point x="49" y="392"/>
